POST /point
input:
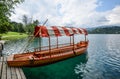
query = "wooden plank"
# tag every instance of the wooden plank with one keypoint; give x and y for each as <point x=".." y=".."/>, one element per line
<point x="8" y="73"/>
<point x="4" y="69"/>
<point x="1" y="59"/>
<point x="18" y="73"/>
<point x="13" y="73"/>
<point x="22" y="74"/>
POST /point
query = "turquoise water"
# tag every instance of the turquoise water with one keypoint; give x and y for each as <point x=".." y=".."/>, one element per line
<point x="101" y="61"/>
<point x="60" y="70"/>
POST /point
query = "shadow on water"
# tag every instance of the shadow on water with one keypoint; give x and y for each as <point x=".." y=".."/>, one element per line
<point x="61" y="70"/>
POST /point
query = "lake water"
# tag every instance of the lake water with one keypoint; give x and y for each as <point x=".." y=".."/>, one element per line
<point x="101" y="61"/>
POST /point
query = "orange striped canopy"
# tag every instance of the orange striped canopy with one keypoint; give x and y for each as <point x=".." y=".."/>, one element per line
<point x="43" y="31"/>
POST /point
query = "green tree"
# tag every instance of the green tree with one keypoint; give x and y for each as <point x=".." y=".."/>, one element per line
<point x="32" y="26"/>
<point x="25" y="20"/>
<point x="26" y="23"/>
<point x="20" y="28"/>
<point x="6" y="8"/>
<point x="36" y="22"/>
<point x="17" y="27"/>
<point x="29" y="24"/>
<point x="14" y="26"/>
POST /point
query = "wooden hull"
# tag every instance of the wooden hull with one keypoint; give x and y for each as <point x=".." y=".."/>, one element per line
<point x="29" y="60"/>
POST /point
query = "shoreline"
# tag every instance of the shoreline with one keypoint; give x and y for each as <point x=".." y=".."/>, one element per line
<point x="13" y="36"/>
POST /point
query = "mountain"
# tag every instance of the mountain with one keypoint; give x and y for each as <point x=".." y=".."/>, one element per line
<point x="104" y="30"/>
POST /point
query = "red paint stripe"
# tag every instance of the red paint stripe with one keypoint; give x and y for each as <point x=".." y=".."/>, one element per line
<point x="74" y="31"/>
<point x="44" y="31"/>
<point x="56" y="31"/>
<point x="79" y="30"/>
<point x="36" y="30"/>
<point x="66" y="31"/>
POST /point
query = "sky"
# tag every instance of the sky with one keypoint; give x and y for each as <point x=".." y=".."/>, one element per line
<point x="75" y="13"/>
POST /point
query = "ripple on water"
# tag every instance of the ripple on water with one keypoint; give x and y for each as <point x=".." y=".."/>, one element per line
<point x="104" y="58"/>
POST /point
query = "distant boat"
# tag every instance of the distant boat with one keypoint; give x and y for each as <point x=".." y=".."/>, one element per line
<point x="48" y="55"/>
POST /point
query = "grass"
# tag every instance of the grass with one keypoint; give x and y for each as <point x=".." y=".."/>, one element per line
<point x="13" y="36"/>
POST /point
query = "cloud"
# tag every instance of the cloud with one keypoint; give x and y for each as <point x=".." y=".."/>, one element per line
<point x="114" y="16"/>
<point x="77" y="13"/>
<point x="18" y="15"/>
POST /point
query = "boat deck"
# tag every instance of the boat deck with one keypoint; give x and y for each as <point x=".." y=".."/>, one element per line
<point x="10" y="72"/>
<point x="54" y="52"/>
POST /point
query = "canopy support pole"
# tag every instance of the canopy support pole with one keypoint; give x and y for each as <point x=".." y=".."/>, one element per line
<point x="73" y="46"/>
<point x="39" y="43"/>
<point x="57" y="41"/>
<point x="49" y="47"/>
<point x="70" y="40"/>
<point x="85" y="37"/>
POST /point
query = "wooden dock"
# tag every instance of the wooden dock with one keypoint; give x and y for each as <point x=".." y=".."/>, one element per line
<point x="10" y="72"/>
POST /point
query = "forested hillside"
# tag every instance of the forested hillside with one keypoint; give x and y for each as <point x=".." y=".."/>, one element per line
<point x="105" y="30"/>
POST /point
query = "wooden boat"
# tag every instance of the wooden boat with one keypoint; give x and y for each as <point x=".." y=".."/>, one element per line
<point x="41" y="57"/>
